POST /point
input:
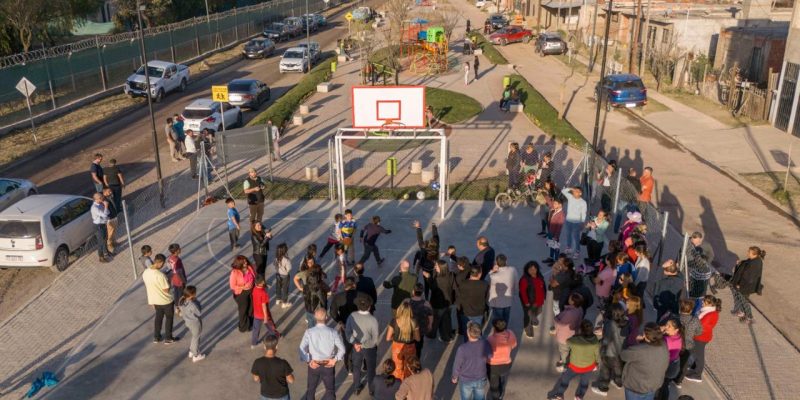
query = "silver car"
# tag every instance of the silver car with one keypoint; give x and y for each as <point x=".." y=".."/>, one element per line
<point x="13" y="190"/>
<point x="249" y="93"/>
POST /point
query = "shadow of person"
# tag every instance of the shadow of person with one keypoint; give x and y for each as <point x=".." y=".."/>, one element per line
<point x="638" y="162"/>
<point x="724" y="259"/>
<point x="669" y="202"/>
<point x="626" y="161"/>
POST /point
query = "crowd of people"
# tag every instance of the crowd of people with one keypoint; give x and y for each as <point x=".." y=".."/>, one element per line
<point x="599" y="297"/>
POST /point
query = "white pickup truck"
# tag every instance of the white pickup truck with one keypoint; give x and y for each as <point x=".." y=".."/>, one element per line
<point x="164" y="78"/>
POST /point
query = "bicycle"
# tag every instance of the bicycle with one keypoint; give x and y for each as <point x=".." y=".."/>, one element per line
<point x="513" y="197"/>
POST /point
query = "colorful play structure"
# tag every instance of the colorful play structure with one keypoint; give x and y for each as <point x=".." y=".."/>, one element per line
<point x="426" y="46"/>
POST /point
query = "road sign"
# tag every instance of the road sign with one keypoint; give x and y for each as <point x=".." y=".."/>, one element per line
<point x="219" y="93"/>
<point x="25" y="87"/>
<point x="348" y="17"/>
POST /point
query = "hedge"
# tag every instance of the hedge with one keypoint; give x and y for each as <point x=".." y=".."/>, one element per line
<point x="283" y="108"/>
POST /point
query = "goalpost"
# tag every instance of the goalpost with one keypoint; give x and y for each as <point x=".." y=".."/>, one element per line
<point x="390" y="113"/>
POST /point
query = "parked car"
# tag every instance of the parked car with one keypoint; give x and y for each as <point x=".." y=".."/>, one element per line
<point x="480" y="3"/>
<point x="314" y="50"/>
<point x="258" y="48"/>
<point x="249" y="93"/>
<point x="278" y="32"/>
<point x="13" y="190"/>
<point x="621" y="90"/>
<point x="498" y="21"/>
<point x="511" y="34"/>
<point x="363" y="14"/>
<point x="310" y="22"/>
<point x="295" y="59"/>
<point x="164" y="78"/>
<point x="550" y="43"/>
<point x="206" y="114"/>
<point x="295" y="25"/>
<point x="319" y="19"/>
<point x="44" y="229"/>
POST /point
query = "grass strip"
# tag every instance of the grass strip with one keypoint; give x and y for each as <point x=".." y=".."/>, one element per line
<point x="489" y="51"/>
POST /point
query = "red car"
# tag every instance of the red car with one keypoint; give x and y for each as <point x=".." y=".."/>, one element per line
<point x="511" y="34"/>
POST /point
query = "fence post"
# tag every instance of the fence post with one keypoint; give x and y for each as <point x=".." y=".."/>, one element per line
<point x="236" y="22"/>
<point x="130" y="234"/>
<point x="100" y="62"/>
<point x="616" y="192"/>
<point x="49" y="77"/>
<point x="196" y="37"/>
<point x="171" y="44"/>
<point x="663" y="235"/>
<point x="683" y="263"/>
<point x="268" y="146"/>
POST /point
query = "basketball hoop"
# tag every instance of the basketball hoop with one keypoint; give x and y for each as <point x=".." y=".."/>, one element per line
<point x="388" y="108"/>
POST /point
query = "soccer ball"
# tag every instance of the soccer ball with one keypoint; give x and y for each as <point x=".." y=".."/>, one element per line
<point x="435" y="186"/>
<point x="405" y="196"/>
<point x="421" y="195"/>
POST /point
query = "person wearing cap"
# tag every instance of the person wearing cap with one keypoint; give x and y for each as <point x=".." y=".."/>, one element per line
<point x="254" y="189"/>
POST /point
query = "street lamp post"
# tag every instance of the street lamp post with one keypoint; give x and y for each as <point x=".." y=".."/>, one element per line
<point x="139" y="9"/>
<point x="308" y="26"/>
<point x="596" y="132"/>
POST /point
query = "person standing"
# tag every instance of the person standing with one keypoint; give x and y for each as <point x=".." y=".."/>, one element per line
<point x="315" y="293"/>
<point x="476" y="64"/>
<point x="282" y="270"/>
<point x="347" y="229"/>
<point x="363" y="334"/>
<point x="505" y="99"/>
<point x="365" y="284"/>
<point x="233" y="219"/>
<point x="321" y="348"/>
<point x="191" y="152"/>
<point x="241" y="281"/>
<point x="645" y="364"/>
<point x="100" y="212"/>
<point x="469" y="366"/>
<point x="615" y="326"/>
<point x="343" y="304"/>
<point x="113" y="179"/>
<point x="442" y="299"/>
<point x="177" y="275"/>
<point x="532" y="294"/>
<point x="466" y="73"/>
<point x="96" y="171"/>
<point x="575" y="217"/>
<point x="471" y="299"/>
<point x="647" y="183"/>
<point x="708" y="316"/>
<point x="746" y="281"/>
<point x="502" y="342"/>
<point x="642" y="268"/>
<point x="513" y="167"/>
<point x="584" y="355"/>
<point x="334" y="238"/>
<point x="418" y="385"/>
<point x="485" y="257"/>
<point x="111" y="225"/>
<point x="178" y="126"/>
<point x="668" y="291"/>
<point x="259" y="239"/>
<point x="160" y="298"/>
<point x="555" y="223"/>
<point x="261" y="313"/>
<point x="402" y="284"/>
<point x="503" y="282"/>
<point x="254" y="189"/>
<point x="273" y="373"/>
<point x="275" y="135"/>
<point x="691" y="328"/>
<point x="425" y="258"/>
<point x="528" y="159"/>
<point x="403" y="333"/>
<point x="423" y="315"/>
<point x="369" y="236"/>
<point x="190" y="310"/>
<point x="172" y="141"/>
<point x="567" y="323"/>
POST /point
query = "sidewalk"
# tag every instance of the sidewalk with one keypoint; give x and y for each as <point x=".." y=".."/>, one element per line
<point x="726" y="211"/>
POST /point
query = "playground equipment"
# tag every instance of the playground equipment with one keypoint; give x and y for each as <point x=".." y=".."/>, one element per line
<point x="426" y="46"/>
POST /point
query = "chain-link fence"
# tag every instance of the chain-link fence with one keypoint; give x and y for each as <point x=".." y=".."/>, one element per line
<point x="74" y="71"/>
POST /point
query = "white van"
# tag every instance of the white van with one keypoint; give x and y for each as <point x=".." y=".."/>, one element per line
<point x="43" y="230"/>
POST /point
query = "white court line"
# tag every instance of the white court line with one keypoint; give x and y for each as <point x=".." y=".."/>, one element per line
<point x="208" y="241"/>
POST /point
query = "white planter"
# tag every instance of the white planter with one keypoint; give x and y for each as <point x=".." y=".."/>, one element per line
<point x="324" y="87"/>
<point x="416" y="167"/>
<point x="341" y="58"/>
<point x="516" y="107"/>
<point x="304" y="110"/>
<point x="297" y="120"/>
<point x="478" y="52"/>
<point x="427" y="176"/>
<point x="312" y="173"/>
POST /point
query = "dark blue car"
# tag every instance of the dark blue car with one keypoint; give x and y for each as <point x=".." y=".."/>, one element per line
<point x="621" y="90"/>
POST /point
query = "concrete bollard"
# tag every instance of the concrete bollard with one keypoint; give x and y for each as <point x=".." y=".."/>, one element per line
<point x="342" y="58"/>
<point x="478" y="51"/>
<point x="297" y="120"/>
<point x="324" y="87"/>
<point x="304" y="109"/>
<point x="427" y="176"/>
<point x="312" y="173"/>
<point x="416" y="167"/>
<point x="518" y="107"/>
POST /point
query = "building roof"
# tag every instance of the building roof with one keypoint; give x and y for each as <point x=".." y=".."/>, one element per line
<point x="553" y="4"/>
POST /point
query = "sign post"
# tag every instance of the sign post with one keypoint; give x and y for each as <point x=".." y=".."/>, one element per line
<point x="391" y="170"/>
<point x="220" y="94"/>
<point x="349" y="18"/>
<point x="27" y="88"/>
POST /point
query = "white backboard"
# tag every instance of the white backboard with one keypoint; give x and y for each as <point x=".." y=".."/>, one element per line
<point x="375" y="107"/>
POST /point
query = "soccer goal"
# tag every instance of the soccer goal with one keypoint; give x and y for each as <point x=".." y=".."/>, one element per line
<point x="390" y="147"/>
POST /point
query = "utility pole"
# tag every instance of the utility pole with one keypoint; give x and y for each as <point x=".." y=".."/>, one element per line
<point x="646" y="40"/>
<point x="596" y="132"/>
<point x="635" y="36"/>
<point x="592" y="45"/>
<point x="139" y="9"/>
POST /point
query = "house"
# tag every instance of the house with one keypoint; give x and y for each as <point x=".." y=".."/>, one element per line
<point x="784" y="112"/>
<point x="754" y="50"/>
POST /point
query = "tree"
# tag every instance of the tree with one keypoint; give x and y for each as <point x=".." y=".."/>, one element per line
<point x="664" y="56"/>
<point x="449" y="15"/>
<point x="25" y="17"/>
<point x="22" y="21"/>
<point x="397" y="12"/>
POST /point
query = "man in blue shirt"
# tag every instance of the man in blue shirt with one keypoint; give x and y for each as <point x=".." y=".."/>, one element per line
<point x="233" y="223"/>
<point x="321" y="348"/>
<point x="100" y="214"/>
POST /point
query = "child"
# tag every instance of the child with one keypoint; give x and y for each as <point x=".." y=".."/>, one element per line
<point x="282" y="269"/>
<point x="347" y="230"/>
<point x="178" y="275"/>
<point x="341" y="264"/>
<point x="555" y="220"/>
<point x="190" y="310"/>
<point x="583" y="349"/>
<point x="334" y="238"/>
<point x="145" y="259"/>
<point x="261" y="313"/>
<point x="450" y="258"/>
<point x="233" y="223"/>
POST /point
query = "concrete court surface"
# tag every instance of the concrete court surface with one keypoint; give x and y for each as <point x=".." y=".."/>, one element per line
<point x="118" y="360"/>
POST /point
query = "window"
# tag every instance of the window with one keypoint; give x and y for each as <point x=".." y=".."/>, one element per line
<point x="19" y="229"/>
<point x="7" y="186"/>
<point x="666" y="35"/>
<point x="76" y="208"/>
<point x="59" y="218"/>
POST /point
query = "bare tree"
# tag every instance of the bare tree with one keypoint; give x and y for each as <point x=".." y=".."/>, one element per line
<point x="397" y="12"/>
<point x="449" y="15"/>
<point x="664" y="56"/>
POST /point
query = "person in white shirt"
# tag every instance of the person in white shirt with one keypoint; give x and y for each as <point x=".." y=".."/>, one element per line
<point x="191" y="152"/>
<point x="160" y="298"/>
<point x="100" y="214"/>
<point x="575" y="218"/>
<point x="275" y="135"/>
<point x="503" y="281"/>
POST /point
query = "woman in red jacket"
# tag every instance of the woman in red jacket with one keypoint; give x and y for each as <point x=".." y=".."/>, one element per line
<point x="531" y="294"/>
<point x="708" y="316"/>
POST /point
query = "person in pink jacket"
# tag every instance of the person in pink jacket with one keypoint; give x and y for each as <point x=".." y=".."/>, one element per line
<point x="241" y="282"/>
<point x="567" y="323"/>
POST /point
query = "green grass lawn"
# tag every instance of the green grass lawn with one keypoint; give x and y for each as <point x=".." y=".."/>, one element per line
<point x="654" y="107"/>
<point x="489" y="51"/>
<point x="451" y="107"/>
<point x="771" y="183"/>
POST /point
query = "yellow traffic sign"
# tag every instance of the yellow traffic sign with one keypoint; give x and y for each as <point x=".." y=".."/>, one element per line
<point x="348" y="17"/>
<point x="219" y="93"/>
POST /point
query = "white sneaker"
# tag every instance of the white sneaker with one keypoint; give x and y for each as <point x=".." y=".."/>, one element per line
<point x="198" y="357"/>
<point x="285" y="305"/>
<point x="278" y="302"/>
